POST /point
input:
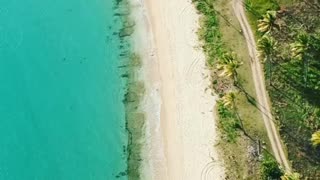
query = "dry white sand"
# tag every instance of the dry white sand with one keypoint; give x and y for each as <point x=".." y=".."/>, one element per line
<point x="182" y="135"/>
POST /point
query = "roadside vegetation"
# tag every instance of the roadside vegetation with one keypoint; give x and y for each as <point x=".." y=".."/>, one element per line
<point x="244" y="143"/>
<point x="288" y="36"/>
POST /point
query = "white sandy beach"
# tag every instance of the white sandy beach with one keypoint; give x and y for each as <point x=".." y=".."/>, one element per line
<point x="180" y="145"/>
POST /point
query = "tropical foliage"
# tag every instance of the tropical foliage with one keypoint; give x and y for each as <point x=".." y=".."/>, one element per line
<point x="228" y="122"/>
<point x="315" y="139"/>
<point x="267" y="46"/>
<point x="300" y="46"/>
<point x="291" y="176"/>
<point x="228" y="99"/>
<point x="209" y="33"/>
<point x="294" y="50"/>
<point x="270" y="168"/>
<point x="267" y="23"/>
<point x="229" y="65"/>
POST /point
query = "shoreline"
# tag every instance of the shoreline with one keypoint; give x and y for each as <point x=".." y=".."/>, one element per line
<point x="134" y="88"/>
<point x="143" y="44"/>
<point x="181" y="137"/>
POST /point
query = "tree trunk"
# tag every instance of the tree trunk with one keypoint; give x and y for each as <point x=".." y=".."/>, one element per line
<point x="235" y="78"/>
<point x="269" y="69"/>
<point x="235" y="110"/>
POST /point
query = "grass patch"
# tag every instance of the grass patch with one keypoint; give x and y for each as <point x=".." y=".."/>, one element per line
<point x="228" y="123"/>
<point x="209" y="33"/>
<point x="260" y="7"/>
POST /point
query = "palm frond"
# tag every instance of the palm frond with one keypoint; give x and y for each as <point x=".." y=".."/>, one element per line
<point x="228" y="99"/>
<point x="301" y="46"/>
<point x="267" y="22"/>
<point x="267" y="46"/>
<point x="290" y="176"/>
<point x="315" y="139"/>
<point x="228" y="64"/>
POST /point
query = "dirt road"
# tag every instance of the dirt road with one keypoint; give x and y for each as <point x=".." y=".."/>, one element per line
<point x="258" y="77"/>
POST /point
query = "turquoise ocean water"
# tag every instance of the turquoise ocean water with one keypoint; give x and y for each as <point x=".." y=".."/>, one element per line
<point x="61" y="115"/>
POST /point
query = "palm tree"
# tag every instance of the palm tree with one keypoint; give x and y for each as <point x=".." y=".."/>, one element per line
<point x="301" y="46"/>
<point x="228" y="100"/>
<point x="290" y="176"/>
<point x="267" y="49"/>
<point x="300" y="50"/>
<point x="315" y="139"/>
<point x="267" y="22"/>
<point x="229" y="65"/>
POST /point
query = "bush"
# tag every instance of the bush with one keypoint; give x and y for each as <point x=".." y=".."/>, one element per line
<point x="270" y="169"/>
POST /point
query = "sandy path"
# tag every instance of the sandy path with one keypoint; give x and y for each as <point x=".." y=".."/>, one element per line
<point x="259" y="83"/>
<point x="187" y="122"/>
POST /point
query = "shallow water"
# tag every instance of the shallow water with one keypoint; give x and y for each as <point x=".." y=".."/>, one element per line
<point x="61" y="110"/>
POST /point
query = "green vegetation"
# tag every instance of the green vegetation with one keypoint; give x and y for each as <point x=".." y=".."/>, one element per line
<point x="228" y="122"/>
<point x="262" y="6"/>
<point x="294" y="73"/>
<point x="289" y="44"/>
<point x="209" y="32"/>
<point x="270" y="169"/>
<point x="315" y="139"/>
<point x="258" y="9"/>
<point x="229" y="65"/>
<point x="267" y="23"/>
<point x="225" y="62"/>
<point x="267" y="47"/>
<point x="243" y="135"/>
<point x="291" y="176"/>
<point x="228" y="100"/>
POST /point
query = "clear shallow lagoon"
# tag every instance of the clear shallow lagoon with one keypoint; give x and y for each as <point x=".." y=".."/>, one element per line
<point x="61" y="111"/>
